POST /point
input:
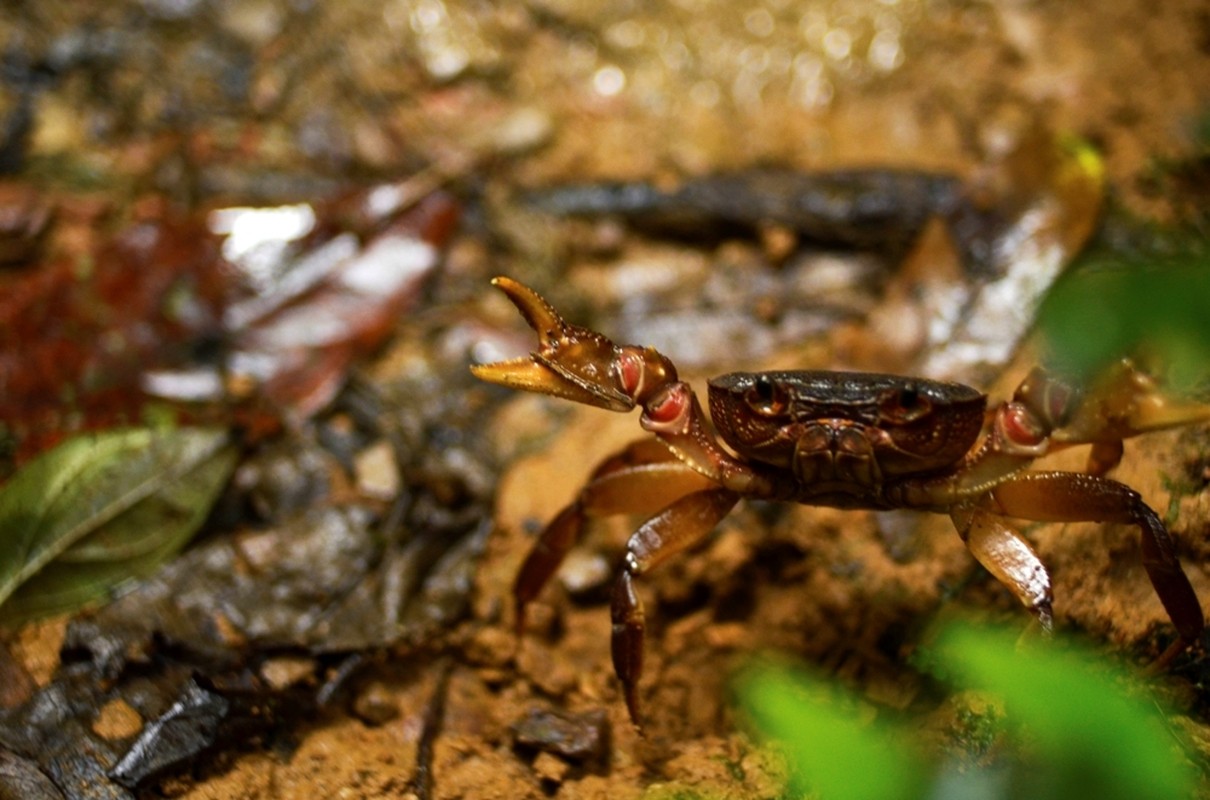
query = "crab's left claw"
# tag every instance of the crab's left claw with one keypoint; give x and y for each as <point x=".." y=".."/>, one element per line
<point x="1122" y="402"/>
<point x="571" y="362"/>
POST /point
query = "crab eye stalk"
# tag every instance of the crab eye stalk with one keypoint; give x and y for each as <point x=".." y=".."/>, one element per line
<point x="905" y="404"/>
<point x="766" y="397"/>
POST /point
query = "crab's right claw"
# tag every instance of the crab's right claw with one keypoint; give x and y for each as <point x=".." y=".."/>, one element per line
<point x="571" y="362"/>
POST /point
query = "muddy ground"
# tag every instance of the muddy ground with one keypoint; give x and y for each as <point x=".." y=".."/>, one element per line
<point x="686" y="89"/>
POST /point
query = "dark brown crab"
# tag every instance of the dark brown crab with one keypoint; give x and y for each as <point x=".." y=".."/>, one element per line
<point x="846" y="440"/>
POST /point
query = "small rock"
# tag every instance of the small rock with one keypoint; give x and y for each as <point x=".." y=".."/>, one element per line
<point x="491" y="647"/>
<point x="376" y="471"/>
<point x="574" y="737"/>
<point x="117" y="720"/>
<point x="376" y="705"/>
<point x="283" y="672"/>
<point x="550" y="768"/>
<point x="20" y="777"/>
<point x="522" y="131"/>
<point x="550" y="673"/>
<point x="583" y="573"/>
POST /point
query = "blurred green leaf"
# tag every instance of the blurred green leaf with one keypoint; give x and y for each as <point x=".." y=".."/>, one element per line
<point x="101" y="509"/>
<point x="1085" y="729"/>
<point x="832" y="751"/>
<point x="1115" y="306"/>
<point x="1097" y="739"/>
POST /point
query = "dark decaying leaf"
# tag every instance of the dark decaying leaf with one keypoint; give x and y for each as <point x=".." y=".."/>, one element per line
<point x="189" y="726"/>
<point x="21" y="778"/>
<point x="101" y="509"/>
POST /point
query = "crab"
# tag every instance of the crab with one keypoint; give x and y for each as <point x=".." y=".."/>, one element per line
<point x="847" y="440"/>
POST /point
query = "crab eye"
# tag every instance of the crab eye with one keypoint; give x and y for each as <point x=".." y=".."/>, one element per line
<point x="766" y="397"/>
<point x="906" y="405"/>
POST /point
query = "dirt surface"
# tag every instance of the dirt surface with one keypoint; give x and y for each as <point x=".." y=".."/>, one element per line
<point x="682" y="89"/>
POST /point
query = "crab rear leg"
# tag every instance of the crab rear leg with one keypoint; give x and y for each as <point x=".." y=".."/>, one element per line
<point x="677" y="527"/>
<point x="641" y="479"/>
<point x="1077" y="497"/>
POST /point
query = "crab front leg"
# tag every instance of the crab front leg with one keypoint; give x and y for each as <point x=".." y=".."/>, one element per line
<point x="644" y="478"/>
<point x="585" y="366"/>
<point x="992" y="483"/>
<point x="641" y="479"/>
<point x="673" y="530"/>
<point x="1046" y="414"/>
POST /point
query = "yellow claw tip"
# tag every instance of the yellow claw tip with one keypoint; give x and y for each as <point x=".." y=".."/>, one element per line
<point x="538" y="313"/>
<point x="518" y="373"/>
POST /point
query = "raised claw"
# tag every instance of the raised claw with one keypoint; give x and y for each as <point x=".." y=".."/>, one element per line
<point x="571" y="362"/>
<point x="1124" y="402"/>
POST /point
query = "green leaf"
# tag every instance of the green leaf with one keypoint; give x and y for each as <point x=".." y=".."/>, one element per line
<point x="833" y="752"/>
<point x="101" y="509"/>
<point x="1095" y="739"/>
<point x="1127" y="305"/>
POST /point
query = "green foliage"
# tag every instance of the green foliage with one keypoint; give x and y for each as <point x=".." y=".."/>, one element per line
<point x="101" y="509"/>
<point x="1082" y="729"/>
<point x="831" y="747"/>
<point x="1115" y="305"/>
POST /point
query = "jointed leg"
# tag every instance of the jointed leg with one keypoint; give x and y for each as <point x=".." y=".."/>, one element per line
<point x="641" y="479"/>
<point x="674" y="529"/>
<point x="1073" y="497"/>
<point x="1008" y="556"/>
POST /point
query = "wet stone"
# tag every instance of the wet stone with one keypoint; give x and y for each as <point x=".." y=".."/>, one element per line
<point x="376" y="705"/>
<point x="188" y="727"/>
<point x="21" y="778"/>
<point x="574" y="737"/>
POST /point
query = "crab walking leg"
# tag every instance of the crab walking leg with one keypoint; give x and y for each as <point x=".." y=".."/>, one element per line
<point x="1077" y="497"/>
<point x="679" y="526"/>
<point x="1010" y="558"/>
<point x="641" y="479"/>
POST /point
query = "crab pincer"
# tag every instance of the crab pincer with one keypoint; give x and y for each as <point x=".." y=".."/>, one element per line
<point x="571" y="362"/>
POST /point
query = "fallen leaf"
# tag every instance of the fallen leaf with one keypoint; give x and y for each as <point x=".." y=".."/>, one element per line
<point x="103" y="508"/>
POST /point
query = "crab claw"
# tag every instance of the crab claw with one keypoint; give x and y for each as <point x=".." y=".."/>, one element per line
<point x="1126" y="401"/>
<point x="571" y="362"/>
